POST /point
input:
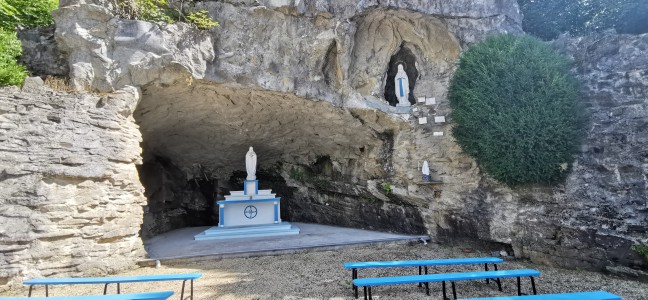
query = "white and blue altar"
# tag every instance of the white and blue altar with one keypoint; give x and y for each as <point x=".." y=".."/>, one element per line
<point x="250" y="212"/>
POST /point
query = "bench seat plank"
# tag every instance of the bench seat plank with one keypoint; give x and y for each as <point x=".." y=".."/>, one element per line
<point x="598" y="295"/>
<point x="141" y="296"/>
<point x="416" y="263"/>
<point x="445" y="277"/>
<point x="114" y="279"/>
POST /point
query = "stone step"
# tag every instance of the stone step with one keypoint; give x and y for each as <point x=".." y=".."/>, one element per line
<point x="215" y="233"/>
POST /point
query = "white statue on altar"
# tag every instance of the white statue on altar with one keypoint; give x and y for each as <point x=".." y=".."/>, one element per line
<point x="250" y="164"/>
<point x="402" y="87"/>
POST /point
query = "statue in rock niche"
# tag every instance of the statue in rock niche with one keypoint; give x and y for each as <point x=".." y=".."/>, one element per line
<point x="250" y="164"/>
<point x="426" y="172"/>
<point x="402" y="87"/>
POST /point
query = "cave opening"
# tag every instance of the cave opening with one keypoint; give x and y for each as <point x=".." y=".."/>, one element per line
<point x="317" y="157"/>
<point x="404" y="57"/>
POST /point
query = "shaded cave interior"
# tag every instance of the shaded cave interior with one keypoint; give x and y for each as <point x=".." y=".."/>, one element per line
<point x="318" y="158"/>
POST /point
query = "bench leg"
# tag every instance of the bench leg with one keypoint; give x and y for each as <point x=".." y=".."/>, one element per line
<point x="192" y="290"/>
<point x="427" y="288"/>
<point x="454" y="290"/>
<point x="499" y="281"/>
<point x="118" y="289"/>
<point x="420" y="272"/>
<point x="46" y="290"/>
<point x="182" y="292"/>
<point x="354" y="275"/>
<point x="445" y="297"/>
<point x="518" y="286"/>
<point x="369" y="288"/>
<point x="365" y="293"/>
<point x="533" y="285"/>
<point x="105" y="288"/>
<point x="30" y="290"/>
<point x="486" y="269"/>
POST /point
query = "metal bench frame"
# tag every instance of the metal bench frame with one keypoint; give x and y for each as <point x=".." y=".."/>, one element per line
<point x="31" y="286"/>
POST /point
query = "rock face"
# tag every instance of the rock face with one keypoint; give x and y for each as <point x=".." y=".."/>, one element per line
<point x="40" y="52"/>
<point x="303" y="82"/>
<point x="107" y="53"/>
<point x="70" y="198"/>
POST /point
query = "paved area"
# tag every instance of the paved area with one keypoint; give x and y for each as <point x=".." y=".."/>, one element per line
<point x="179" y="244"/>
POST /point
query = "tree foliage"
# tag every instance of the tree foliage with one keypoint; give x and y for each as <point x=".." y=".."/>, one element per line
<point x="547" y="19"/>
<point x="516" y="109"/>
<point x="28" y="14"/>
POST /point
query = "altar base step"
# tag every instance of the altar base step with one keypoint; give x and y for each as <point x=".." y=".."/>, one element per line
<point x="222" y="233"/>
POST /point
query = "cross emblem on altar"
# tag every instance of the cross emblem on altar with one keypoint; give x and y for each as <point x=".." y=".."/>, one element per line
<point x="250" y="211"/>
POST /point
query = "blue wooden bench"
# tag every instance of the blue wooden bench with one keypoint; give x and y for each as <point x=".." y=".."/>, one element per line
<point x="367" y="283"/>
<point x="142" y="296"/>
<point x="599" y="295"/>
<point x="354" y="266"/>
<point x="113" y="280"/>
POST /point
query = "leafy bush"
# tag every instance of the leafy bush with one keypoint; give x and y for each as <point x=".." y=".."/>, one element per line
<point x="516" y="109"/>
<point x="24" y="13"/>
<point x="549" y="18"/>
<point x="28" y="14"/>
<point x="11" y="73"/>
<point x="163" y="11"/>
<point x="641" y="249"/>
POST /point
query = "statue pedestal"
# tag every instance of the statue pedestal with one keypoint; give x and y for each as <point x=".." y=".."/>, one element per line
<point x="248" y="213"/>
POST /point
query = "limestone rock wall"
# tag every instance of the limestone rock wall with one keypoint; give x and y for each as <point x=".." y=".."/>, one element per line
<point x="70" y="197"/>
<point x="107" y="53"/>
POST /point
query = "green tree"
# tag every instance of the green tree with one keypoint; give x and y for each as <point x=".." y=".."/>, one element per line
<point x="516" y="109"/>
<point x="32" y="13"/>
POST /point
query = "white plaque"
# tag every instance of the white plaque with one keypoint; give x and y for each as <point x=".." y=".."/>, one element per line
<point x="430" y="101"/>
<point x="421" y="99"/>
<point x="437" y="133"/>
<point x="422" y="120"/>
<point x="439" y="119"/>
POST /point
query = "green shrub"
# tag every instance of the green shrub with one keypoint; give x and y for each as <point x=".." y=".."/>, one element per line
<point x="641" y="249"/>
<point x="32" y="13"/>
<point x="516" y="109"/>
<point x="163" y="11"/>
<point x="11" y="73"/>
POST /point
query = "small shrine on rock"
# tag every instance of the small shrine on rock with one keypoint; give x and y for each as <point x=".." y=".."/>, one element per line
<point x="250" y="212"/>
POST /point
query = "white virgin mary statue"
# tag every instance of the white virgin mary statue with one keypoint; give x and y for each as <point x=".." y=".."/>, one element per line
<point x="250" y="164"/>
<point x="401" y="87"/>
<point x="426" y="171"/>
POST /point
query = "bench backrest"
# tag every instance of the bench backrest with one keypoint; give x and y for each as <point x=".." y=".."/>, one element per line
<point x="445" y="277"/>
<point x="142" y="296"/>
<point x="114" y="279"/>
<point x="428" y="262"/>
<point x="598" y="295"/>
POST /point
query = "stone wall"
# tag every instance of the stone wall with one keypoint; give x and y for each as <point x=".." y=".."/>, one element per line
<point x="70" y="198"/>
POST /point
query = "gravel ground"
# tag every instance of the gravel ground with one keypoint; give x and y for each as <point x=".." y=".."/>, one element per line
<point x="320" y="275"/>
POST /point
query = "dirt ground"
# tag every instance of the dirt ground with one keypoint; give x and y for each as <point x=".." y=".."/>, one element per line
<point x="320" y="275"/>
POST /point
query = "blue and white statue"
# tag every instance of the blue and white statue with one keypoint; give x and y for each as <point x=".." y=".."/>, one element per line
<point x="402" y="87"/>
<point x="250" y="164"/>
